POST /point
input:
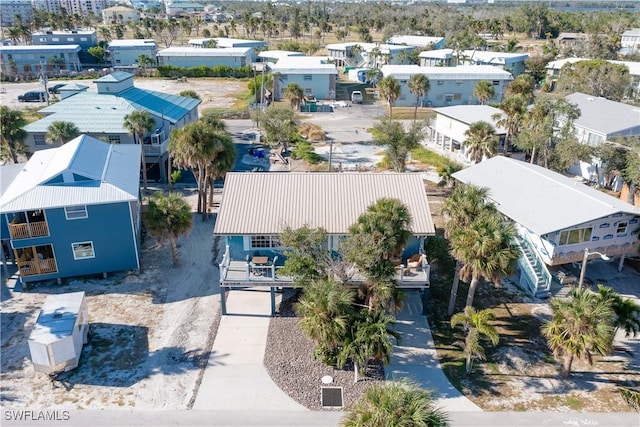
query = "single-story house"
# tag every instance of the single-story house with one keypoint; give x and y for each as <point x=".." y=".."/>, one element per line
<point x="449" y="85"/>
<point x="228" y="42"/>
<point x="120" y="15"/>
<point x="101" y="115"/>
<point x="451" y="123"/>
<point x="249" y="222"/>
<point x="123" y="53"/>
<point x="360" y="54"/>
<point x="437" y="58"/>
<point x="274" y="56"/>
<point x="418" y="41"/>
<point x="188" y="57"/>
<point x="315" y="75"/>
<point x="74" y="210"/>
<point x="30" y="60"/>
<point x="557" y="217"/>
<point x="600" y="121"/>
<point x="511" y="62"/>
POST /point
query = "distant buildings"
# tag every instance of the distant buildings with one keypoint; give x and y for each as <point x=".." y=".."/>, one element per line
<point x="71" y="7"/>
<point x="83" y="38"/>
<point x="511" y="62"/>
<point x="315" y="75"/>
<point x="29" y="60"/>
<point x="9" y="9"/>
<point x="631" y="40"/>
<point x="357" y="54"/>
<point x="418" y="41"/>
<point x="120" y="15"/>
<point x="187" y="57"/>
<point x="125" y="53"/>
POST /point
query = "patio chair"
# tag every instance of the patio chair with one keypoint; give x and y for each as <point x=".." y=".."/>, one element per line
<point x="415" y="262"/>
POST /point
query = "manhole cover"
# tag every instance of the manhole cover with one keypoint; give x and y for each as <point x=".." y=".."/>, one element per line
<point x="331" y="397"/>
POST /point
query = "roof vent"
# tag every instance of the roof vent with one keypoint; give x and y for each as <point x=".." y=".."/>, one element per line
<point x="589" y="98"/>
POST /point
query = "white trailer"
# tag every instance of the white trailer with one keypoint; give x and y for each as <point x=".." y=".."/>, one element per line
<point x="59" y="333"/>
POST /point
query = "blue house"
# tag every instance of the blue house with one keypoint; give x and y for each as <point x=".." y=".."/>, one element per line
<point x="256" y="207"/>
<point x="74" y="210"/>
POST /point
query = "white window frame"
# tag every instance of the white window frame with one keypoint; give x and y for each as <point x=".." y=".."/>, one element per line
<point x="76" y="212"/>
<point x="621" y="227"/>
<point x="248" y="242"/>
<point x="76" y="246"/>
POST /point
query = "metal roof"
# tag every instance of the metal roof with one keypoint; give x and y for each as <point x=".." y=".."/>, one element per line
<point x="437" y="54"/>
<point x="634" y="67"/>
<point x="494" y="57"/>
<point x="199" y="51"/>
<point x="468" y="114"/>
<point x="541" y="200"/>
<point x="132" y="43"/>
<point x="84" y="171"/>
<point x="42" y="48"/>
<point x="171" y="107"/>
<point x="461" y="72"/>
<point x="304" y="65"/>
<point x="421" y="41"/>
<point x="8" y="173"/>
<point x="606" y="117"/>
<point x="115" y="77"/>
<point x="265" y="203"/>
<point x="57" y="318"/>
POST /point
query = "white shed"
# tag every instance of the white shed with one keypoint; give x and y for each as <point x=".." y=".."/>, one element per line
<point x="59" y="333"/>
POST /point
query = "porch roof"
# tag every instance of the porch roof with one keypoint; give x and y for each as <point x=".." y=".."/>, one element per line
<point x="265" y="203"/>
<point x="541" y="200"/>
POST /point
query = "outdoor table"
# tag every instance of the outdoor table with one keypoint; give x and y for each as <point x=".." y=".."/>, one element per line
<point x="257" y="262"/>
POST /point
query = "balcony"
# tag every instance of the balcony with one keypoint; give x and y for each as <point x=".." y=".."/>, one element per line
<point x="25" y="230"/>
<point x="37" y="266"/>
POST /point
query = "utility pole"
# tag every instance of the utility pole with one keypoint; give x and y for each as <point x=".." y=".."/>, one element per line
<point x="43" y="81"/>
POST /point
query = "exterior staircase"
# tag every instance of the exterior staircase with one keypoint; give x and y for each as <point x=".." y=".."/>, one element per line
<point x="534" y="275"/>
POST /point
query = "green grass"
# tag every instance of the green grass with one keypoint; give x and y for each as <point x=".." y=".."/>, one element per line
<point x="406" y="113"/>
<point x="426" y="156"/>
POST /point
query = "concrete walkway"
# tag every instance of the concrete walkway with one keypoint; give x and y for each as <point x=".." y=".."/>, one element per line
<point x="416" y="358"/>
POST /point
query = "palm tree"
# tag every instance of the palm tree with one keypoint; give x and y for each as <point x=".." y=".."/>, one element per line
<point x="223" y="162"/>
<point x="484" y="91"/>
<point x="324" y="310"/>
<point x="396" y="404"/>
<point x="627" y="312"/>
<point x="390" y="90"/>
<point x="169" y="217"/>
<point x="12" y="133"/>
<point x="398" y="142"/>
<point x="481" y="141"/>
<point x="419" y="85"/>
<point x="294" y="94"/>
<point x="139" y="122"/>
<point x="486" y="250"/>
<point x="476" y="324"/>
<point x="61" y="132"/>
<point x="515" y="108"/>
<point x="465" y="203"/>
<point x="581" y="325"/>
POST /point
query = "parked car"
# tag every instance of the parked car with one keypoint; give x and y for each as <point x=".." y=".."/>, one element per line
<point x="56" y="88"/>
<point x="33" y="96"/>
<point x="356" y="97"/>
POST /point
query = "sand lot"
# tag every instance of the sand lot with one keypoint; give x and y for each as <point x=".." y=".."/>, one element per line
<point x="212" y="92"/>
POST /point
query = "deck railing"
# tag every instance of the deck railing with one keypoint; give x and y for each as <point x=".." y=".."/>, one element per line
<point x="25" y="230"/>
<point x="35" y="266"/>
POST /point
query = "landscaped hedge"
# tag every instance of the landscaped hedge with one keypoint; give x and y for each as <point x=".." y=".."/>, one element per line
<point x="204" y="71"/>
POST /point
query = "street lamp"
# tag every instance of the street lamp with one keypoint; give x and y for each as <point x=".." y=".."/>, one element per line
<point x="583" y="270"/>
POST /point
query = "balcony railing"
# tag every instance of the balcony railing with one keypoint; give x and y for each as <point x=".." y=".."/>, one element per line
<point x="37" y="266"/>
<point x="156" y="149"/>
<point x="26" y="230"/>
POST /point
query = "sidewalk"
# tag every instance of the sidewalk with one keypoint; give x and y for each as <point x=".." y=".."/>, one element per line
<point x="417" y="360"/>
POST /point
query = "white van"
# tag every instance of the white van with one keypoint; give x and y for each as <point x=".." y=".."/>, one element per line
<point x="356" y="97"/>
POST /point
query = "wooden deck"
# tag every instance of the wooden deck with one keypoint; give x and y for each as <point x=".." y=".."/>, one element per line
<point x="238" y="274"/>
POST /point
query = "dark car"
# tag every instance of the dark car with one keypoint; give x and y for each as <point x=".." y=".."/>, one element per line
<point x="56" y="88"/>
<point x="33" y="96"/>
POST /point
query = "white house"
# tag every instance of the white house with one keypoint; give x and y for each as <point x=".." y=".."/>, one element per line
<point x="437" y="58"/>
<point x="418" y="41"/>
<point x="193" y="57"/>
<point x="557" y="217"/>
<point x="315" y="75"/>
<point x="449" y="85"/>
<point x="123" y="53"/>
<point x="274" y="56"/>
<point x="631" y="40"/>
<point x="511" y="62"/>
<point x="600" y="121"/>
<point x="358" y="54"/>
<point x="183" y="8"/>
<point x="225" y="42"/>
<point x="451" y="123"/>
<point x="120" y="15"/>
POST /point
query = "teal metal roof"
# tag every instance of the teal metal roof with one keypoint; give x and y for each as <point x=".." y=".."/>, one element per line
<point x="117" y="76"/>
<point x="171" y="107"/>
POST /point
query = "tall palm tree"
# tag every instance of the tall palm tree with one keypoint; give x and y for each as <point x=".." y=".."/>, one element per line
<point x="223" y="161"/>
<point x="12" y="134"/>
<point x="293" y="93"/>
<point x="419" y="85"/>
<point x="465" y="203"/>
<point x="484" y="91"/>
<point x="390" y="90"/>
<point x="481" y="141"/>
<point x="168" y="218"/>
<point x="324" y="309"/>
<point x="61" y="132"/>
<point x="396" y="404"/>
<point x="581" y="325"/>
<point x="476" y="324"/>
<point x="514" y="108"/>
<point x="138" y="123"/>
<point x="486" y="250"/>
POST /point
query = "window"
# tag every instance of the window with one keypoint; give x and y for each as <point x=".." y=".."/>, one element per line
<point x="458" y="82"/>
<point x="622" y="228"/>
<point x="83" y="39"/>
<point x="265" y="242"/>
<point x="69" y="39"/>
<point x="308" y="77"/>
<point x="440" y="82"/>
<point x="114" y="139"/>
<point x="82" y="250"/>
<point x="39" y="140"/>
<point x="55" y="39"/>
<point x="75" y="212"/>
<point x="457" y="96"/>
<point x="572" y="237"/>
<point x="496" y="82"/>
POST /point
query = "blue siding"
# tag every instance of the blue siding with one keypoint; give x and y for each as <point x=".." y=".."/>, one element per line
<point x="109" y="227"/>
<point x="4" y="227"/>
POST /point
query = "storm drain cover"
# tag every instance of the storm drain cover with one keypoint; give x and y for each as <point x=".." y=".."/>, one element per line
<point x="331" y="397"/>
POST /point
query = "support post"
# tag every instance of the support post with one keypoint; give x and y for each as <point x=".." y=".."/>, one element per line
<point x="223" y="300"/>
<point x="273" y="301"/>
<point x="621" y="263"/>
<point x="425" y="300"/>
